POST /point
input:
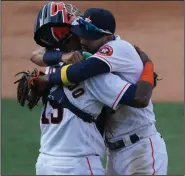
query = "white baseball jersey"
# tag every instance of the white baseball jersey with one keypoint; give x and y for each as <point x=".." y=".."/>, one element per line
<point x="123" y="60"/>
<point x="64" y="134"/>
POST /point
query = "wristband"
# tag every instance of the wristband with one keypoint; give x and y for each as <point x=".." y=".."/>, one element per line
<point x="64" y="77"/>
<point x="58" y="76"/>
<point x="147" y="74"/>
<point x="52" y="57"/>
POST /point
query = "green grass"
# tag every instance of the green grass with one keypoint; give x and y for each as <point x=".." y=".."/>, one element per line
<point x="170" y="123"/>
<point x="20" y="136"/>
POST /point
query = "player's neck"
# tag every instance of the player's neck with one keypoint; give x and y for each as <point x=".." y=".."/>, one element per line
<point x="109" y="38"/>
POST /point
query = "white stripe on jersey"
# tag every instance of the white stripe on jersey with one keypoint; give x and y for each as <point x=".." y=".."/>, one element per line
<point x="120" y="96"/>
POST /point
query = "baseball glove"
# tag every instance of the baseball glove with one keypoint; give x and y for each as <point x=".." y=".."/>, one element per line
<point x="28" y="90"/>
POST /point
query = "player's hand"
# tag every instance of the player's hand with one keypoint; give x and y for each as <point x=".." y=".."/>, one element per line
<point x="144" y="57"/>
<point x="72" y="57"/>
<point x="37" y="57"/>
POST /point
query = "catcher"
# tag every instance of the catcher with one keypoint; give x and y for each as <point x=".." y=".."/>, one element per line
<point x="32" y="81"/>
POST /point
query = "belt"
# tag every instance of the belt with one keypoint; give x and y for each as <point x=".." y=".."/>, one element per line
<point x="133" y="138"/>
<point x="120" y="144"/>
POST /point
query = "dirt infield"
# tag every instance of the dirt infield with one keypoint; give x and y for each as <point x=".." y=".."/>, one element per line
<point x="157" y="27"/>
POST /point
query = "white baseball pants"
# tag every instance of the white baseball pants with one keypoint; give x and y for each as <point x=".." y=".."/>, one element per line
<point x="50" y="165"/>
<point x="146" y="157"/>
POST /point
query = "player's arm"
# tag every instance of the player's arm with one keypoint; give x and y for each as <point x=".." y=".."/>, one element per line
<point x="103" y="61"/>
<point x="111" y="90"/>
<point x="43" y="57"/>
<point x="93" y="66"/>
<point x="139" y="95"/>
<point x="78" y="72"/>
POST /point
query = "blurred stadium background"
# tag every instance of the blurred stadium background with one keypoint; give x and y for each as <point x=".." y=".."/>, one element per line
<point x="157" y="27"/>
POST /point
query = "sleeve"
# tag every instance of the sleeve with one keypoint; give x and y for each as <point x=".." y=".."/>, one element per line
<point x="84" y="70"/>
<point x="119" y="55"/>
<point x="78" y="72"/>
<point x="108" y="89"/>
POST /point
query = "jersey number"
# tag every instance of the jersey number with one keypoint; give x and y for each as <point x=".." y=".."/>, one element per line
<point x="57" y="115"/>
<point x="78" y="92"/>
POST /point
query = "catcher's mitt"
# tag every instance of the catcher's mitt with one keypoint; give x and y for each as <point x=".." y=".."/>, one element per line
<point x="27" y="89"/>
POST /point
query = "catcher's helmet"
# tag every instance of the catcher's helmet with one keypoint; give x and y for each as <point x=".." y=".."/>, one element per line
<point x="53" y="23"/>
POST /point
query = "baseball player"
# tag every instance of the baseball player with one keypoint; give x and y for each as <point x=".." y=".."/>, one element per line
<point x="69" y="146"/>
<point x="58" y="142"/>
<point x="135" y="146"/>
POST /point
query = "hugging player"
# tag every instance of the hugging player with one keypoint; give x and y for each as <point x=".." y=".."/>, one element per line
<point x="99" y="88"/>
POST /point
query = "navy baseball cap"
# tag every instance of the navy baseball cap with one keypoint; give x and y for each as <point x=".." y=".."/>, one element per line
<point x="95" y="23"/>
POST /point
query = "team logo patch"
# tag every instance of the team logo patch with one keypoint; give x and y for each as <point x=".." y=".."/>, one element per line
<point x="105" y="51"/>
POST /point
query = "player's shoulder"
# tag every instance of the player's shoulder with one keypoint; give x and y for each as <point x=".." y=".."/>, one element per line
<point x="118" y="47"/>
<point x="121" y="45"/>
